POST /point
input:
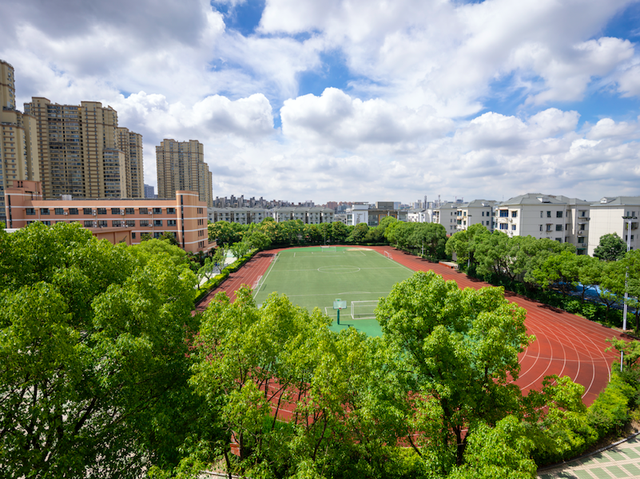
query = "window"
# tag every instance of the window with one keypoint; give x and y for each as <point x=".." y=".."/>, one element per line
<point x="171" y="211"/>
<point x="133" y="235"/>
<point x="541" y="214"/>
<point x="47" y="223"/>
<point x="115" y="211"/>
<point x="583" y="213"/>
<point x="558" y="214"/>
<point x="504" y="213"/>
<point x="73" y="211"/>
<point x="558" y="227"/>
<point x="566" y="227"/>
<point x="116" y="223"/>
<point x="549" y="227"/>
<point x="102" y="223"/>
<point x="129" y="211"/>
<point x="88" y="224"/>
<point x="130" y="223"/>
<point x="171" y="222"/>
<point x="144" y="211"/>
<point x="513" y="227"/>
<point x="503" y="226"/>
<point x="157" y="211"/>
<point x="582" y="227"/>
<point x="157" y="222"/>
<point x="483" y="213"/>
<point x="44" y="211"/>
<point x="548" y="214"/>
<point x="87" y="211"/>
<point x="514" y="214"/>
<point x="559" y="240"/>
<point x="156" y="234"/>
<point x="540" y="227"/>
<point x="199" y="211"/>
<point x="31" y="211"/>
<point x="581" y="240"/>
<point x="102" y="211"/>
<point x="144" y="223"/>
<point x="58" y="211"/>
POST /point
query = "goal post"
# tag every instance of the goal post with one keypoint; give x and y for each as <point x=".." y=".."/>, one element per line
<point x="328" y="249"/>
<point x="388" y="255"/>
<point x="364" y="309"/>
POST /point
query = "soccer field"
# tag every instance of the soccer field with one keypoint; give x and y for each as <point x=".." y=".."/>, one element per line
<point x="311" y="278"/>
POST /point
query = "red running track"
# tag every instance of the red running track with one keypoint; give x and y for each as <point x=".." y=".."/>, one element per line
<point x="566" y="345"/>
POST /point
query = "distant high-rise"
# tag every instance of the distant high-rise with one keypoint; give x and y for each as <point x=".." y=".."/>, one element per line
<point x="181" y="166"/>
<point x="83" y="153"/>
<point x="149" y="191"/>
<point x="18" y="155"/>
<point x="131" y="144"/>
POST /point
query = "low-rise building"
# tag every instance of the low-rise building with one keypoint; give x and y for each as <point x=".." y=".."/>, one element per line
<point x="446" y="214"/>
<point x="475" y="212"/>
<point x="308" y="215"/>
<point x="608" y="216"/>
<point x="358" y="213"/>
<point x="243" y="216"/>
<point x="115" y="219"/>
<point x="532" y="214"/>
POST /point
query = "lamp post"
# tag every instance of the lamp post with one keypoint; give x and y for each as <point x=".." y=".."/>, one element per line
<point x="627" y="221"/>
<point x="468" y="252"/>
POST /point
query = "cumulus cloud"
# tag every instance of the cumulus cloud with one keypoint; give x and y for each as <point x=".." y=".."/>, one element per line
<point x="342" y="121"/>
<point x="410" y="117"/>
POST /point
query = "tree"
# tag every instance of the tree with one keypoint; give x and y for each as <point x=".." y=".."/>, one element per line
<point x="339" y="232"/>
<point x="461" y="242"/>
<point x="223" y="232"/>
<point x="359" y="233"/>
<point x="610" y="248"/>
<point x="93" y="354"/>
<point x="459" y="349"/>
<point x="258" y="240"/>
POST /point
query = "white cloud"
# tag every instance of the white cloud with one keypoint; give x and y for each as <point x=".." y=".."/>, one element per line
<point x="339" y="120"/>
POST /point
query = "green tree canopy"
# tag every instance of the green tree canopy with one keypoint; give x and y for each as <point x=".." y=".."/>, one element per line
<point x="93" y="353"/>
<point x="460" y="350"/>
<point x="610" y="248"/>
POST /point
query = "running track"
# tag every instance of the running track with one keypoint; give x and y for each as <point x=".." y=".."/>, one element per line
<point x="566" y="345"/>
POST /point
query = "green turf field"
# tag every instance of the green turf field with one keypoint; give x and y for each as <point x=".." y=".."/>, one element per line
<point x="311" y="278"/>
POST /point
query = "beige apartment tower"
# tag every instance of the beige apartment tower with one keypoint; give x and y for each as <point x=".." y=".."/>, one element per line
<point x="83" y="153"/>
<point x="181" y="166"/>
<point x="18" y="155"/>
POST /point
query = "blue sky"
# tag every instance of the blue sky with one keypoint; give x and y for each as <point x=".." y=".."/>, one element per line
<point x="356" y="100"/>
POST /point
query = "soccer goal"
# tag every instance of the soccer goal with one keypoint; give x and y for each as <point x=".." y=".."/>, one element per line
<point x="388" y="255"/>
<point x="328" y="249"/>
<point x="364" y="309"/>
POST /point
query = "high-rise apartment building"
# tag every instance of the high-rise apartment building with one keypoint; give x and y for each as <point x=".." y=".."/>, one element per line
<point x="83" y="153"/>
<point x="130" y="144"/>
<point x="181" y="166"/>
<point x="18" y="155"/>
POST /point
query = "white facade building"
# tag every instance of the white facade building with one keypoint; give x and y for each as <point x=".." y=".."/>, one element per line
<point x="447" y="215"/>
<point x="358" y="213"/>
<point x="243" y="216"/>
<point x="532" y="214"/>
<point x="308" y="215"/>
<point x="475" y="212"/>
<point x="607" y="218"/>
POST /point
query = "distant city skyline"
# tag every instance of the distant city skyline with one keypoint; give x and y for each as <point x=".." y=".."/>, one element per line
<point x="358" y="100"/>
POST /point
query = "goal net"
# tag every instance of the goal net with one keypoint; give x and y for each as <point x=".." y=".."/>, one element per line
<point x="388" y="255"/>
<point x="364" y="309"/>
<point x="328" y="249"/>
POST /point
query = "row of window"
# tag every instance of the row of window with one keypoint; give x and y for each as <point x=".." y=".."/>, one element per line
<point x="102" y="211"/>
<point x="127" y="223"/>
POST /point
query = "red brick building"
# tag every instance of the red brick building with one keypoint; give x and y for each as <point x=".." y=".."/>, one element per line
<point x="117" y="220"/>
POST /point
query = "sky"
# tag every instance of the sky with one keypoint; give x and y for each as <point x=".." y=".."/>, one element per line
<point x="355" y="100"/>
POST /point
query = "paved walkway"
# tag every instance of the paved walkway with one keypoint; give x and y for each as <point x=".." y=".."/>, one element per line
<point x="620" y="461"/>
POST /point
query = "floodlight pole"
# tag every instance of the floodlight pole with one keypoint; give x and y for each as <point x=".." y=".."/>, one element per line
<point x="627" y="222"/>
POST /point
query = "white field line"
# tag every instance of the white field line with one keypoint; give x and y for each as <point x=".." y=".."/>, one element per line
<point x="273" y="261"/>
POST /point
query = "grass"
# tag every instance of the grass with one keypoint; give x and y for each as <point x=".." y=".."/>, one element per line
<point x="312" y="278"/>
